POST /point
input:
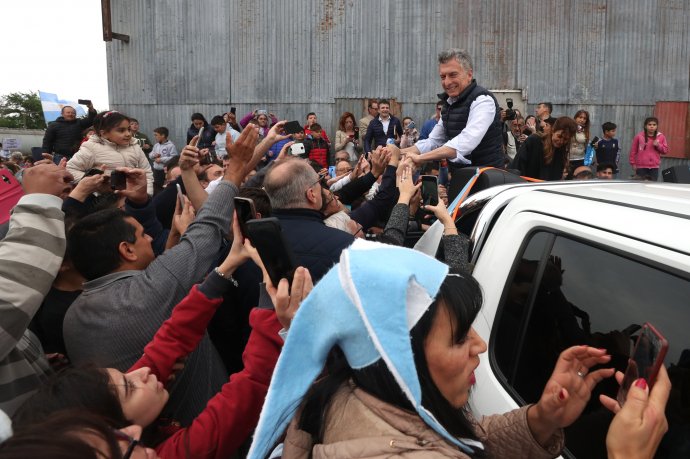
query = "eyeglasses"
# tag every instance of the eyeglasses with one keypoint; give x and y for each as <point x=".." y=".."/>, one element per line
<point x="133" y="442"/>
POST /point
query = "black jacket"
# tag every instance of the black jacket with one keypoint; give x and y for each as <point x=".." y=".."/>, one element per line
<point x="489" y="152"/>
<point x="64" y="137"/>
<point x="316" y="246"/>
<point x="375" y="132"/>
<point x="530" y="160"/>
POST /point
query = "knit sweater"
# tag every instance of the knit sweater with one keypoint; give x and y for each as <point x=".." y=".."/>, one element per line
<point x="31" y="255"/>
<point x="118" y="314"/>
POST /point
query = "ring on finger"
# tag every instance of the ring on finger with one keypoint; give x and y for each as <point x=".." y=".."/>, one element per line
<point x="581" y="374"/>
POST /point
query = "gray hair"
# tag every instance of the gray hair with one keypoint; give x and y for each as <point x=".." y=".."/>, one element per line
<point x="287" y="182"/>
<point x="459" y="55"/>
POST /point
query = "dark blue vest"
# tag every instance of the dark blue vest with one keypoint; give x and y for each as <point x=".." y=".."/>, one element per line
<point x="489" y="152"/>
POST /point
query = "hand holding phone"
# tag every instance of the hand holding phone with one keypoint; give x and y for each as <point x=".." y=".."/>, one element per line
<point x="429" y="190"/>
<point x="267" y="236"/>
<point x="245" y="211"/>
<point x="645" y="361"/>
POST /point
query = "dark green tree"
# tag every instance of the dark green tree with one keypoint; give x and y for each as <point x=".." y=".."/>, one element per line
<point x="21" y="110"/>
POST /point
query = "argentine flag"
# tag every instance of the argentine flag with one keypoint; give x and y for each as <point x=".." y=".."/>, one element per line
<point x="52" y="106"/>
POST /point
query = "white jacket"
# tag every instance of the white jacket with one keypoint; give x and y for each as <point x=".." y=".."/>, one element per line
<point x="97" y="151"/>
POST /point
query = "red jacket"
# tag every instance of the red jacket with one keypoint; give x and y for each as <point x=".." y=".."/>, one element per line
<point x="233" y="413"/>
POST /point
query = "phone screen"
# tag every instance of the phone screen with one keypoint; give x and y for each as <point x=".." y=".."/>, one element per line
<point x="331" y="171"/>
<point x="647" y="356"/>
<point x="292" y="127"/>
<point x="180" y="196"/>
<point x="266" y="235"/>
<point x="245" y="212"/>
<point x="118" y="180"/>
<point x="429" y="190"/>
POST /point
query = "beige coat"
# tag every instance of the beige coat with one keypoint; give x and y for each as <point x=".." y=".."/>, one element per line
<point x="97" y="151"/>
<point x="359" y="425"/>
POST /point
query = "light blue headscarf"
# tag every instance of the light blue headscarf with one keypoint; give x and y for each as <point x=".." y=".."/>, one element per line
<point x="366" y="304"/>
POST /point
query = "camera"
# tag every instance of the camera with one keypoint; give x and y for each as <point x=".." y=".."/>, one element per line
<point x="510" y="113"/>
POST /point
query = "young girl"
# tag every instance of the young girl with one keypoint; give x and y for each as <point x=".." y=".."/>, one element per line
<point x="647" y="148"/>
<point x="578" y="145"/>
<point x="112" y="145"/>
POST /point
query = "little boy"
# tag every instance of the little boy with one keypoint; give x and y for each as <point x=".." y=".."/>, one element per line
<point x="607" y="149"/>
<point x="221" y="128"/>
<point x="163" y="151"/>
<point x="319" y="148"/>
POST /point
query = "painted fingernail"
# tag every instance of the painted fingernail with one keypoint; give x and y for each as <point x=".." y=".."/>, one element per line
<point x="561" y="394"/>
<point x="641" y="383"/>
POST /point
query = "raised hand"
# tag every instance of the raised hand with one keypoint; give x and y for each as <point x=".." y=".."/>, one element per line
<point x="239" y="154"/>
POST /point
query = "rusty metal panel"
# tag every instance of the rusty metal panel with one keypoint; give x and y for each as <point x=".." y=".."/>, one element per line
<point x="674" y="123"/>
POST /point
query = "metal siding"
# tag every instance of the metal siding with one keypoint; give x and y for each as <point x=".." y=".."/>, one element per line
<point x="614" y="58"/>
<point x="630" y="44"/>
<point x="672" y="56"/>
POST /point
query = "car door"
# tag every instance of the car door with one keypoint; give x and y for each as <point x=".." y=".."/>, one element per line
<point x="551" y="284"/>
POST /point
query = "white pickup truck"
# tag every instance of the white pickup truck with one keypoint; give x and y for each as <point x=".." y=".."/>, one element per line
<point x="567" y="263"/>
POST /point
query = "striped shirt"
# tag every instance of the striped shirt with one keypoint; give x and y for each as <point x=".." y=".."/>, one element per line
<point x="30" y="256"/>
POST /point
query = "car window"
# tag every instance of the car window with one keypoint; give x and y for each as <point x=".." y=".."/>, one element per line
<point x="565" y="292"/>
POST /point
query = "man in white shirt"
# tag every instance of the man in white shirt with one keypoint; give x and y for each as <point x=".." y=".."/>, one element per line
<point x="470" y="132"/>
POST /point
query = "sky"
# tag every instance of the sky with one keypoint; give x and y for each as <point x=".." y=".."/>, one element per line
<point x="54" y="46"/>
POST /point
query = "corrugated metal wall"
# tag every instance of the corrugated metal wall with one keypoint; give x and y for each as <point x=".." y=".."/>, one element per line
<point x="614" y="58"/>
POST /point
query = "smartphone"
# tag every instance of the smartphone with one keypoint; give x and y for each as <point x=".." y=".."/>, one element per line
<point x="233" y="110"/>
<point x="292" y="127"/>
<point x="245" y="212"/>
<point x="37" y="153"/>
<point x="262" y="112"/>
<point x="594" y="141"/>
<point x="83" y="101"/>
<point x="297" y="149"/>
<point x="93" y="171"/>
<point x="331" y="171"/>
<point x="429" y="190"/>
<point x="267" y="236"/>
<point x="647" y="357"/>
<point x="180" y="196"/>
<point x="118" y="180"/>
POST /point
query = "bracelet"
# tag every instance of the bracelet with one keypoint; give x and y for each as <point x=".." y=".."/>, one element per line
<point x="229" y="277"/>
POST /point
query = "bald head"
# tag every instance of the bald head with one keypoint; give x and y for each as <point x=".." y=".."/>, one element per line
<point x="292" y="184"/>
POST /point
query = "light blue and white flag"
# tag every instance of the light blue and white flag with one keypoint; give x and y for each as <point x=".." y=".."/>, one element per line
<point x="52" y="106"/>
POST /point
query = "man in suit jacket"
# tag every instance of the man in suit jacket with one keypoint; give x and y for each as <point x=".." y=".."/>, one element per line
<point x="385" y="127"/>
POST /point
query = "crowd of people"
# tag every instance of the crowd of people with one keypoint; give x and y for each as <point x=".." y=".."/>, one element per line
<point x="139" y="320"/>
